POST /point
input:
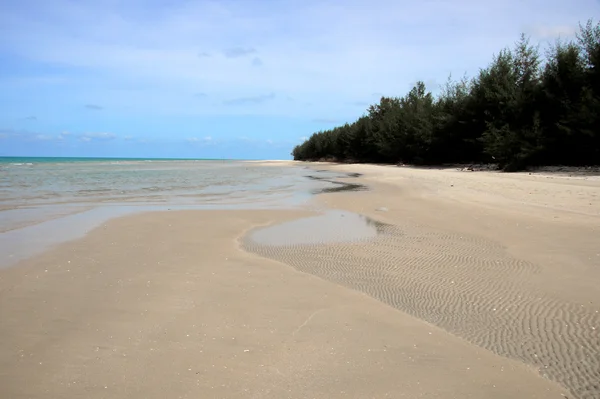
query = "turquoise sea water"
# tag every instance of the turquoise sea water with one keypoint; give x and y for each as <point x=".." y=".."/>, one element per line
<point x="26" y="182"/>
<point x="31" y="160"/>
<point x="51" y="199"/>
<point x="61" y="183"/>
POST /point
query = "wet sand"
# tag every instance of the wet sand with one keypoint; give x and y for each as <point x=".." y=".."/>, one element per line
<point x="510" y="263"/>
<point x="450" y="284"/>
<point x="168" y="304"/>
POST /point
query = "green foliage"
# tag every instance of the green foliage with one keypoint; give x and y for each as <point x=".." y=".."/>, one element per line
<point x="517" y="112"/>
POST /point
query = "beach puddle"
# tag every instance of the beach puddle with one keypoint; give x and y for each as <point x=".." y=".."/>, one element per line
<point x="330" y="227"/>
<point x="21" y="243"/>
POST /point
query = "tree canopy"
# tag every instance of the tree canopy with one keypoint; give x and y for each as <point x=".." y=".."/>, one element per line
<point x="521" y="110"/>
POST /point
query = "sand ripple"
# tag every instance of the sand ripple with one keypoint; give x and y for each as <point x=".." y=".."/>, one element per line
<point x="472" y="288"/>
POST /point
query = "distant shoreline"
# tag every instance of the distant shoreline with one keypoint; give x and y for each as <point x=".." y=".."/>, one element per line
<point x="554" y="171"/>
<point x="19" y="159"/>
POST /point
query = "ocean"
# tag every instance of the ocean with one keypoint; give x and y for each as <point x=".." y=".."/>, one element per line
<point x="48" y="200"/>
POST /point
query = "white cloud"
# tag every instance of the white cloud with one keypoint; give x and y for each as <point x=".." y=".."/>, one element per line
<point x="204" y="140"/>
<point x="325" y="53"/>
<point x="97" y="136"/>
<point x="554" y="32"/>
<point x="32" y="136"/>
<point x="43" y="137"/>
<point x="63" y="135"/>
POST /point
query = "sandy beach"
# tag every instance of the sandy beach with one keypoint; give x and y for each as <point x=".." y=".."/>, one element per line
<point x="475" y="285"/>
<point x="509" y="262"/>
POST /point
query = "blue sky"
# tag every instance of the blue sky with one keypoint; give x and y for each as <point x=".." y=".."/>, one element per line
<point x="235" y="78"/>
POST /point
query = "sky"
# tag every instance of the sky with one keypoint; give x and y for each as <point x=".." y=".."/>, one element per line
<point x="246" y="79"/>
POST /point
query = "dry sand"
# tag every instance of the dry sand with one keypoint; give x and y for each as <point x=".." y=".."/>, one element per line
<point x="492" y="282"/>
<point x="167" y="305"/>
<point x="510" y="263"/>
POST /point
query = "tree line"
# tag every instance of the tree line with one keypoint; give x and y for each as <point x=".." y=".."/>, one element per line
<point x="521" y="110"/>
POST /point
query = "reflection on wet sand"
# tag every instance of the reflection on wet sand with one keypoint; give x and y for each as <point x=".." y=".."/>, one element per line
<point x="330" y="227"/>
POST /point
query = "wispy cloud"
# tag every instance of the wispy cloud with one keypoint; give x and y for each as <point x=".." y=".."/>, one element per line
<point x="202" y="140"/>
<point x="30" y="118"/>
<point x="257" y="62"/>
<point x="236" y="52"/>
<point x="553" y="32"/>
<point x="200" y="95"/>
<point x="250" y="100"/>
<point x="99" y="136"/>
<point x="326" y="51"/>
<point x="64" y="135"/>
<point x="30" y="136"/>
<point x="24" y="135"/>
<point x="44" y="137"/>
<point x="14" y="132"/>
<point x="249" y="56"/>
<point x="94" y="107"/>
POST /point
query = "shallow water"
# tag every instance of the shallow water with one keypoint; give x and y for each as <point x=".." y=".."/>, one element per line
<point x="19" y="244"/>
<point x="44" y="203"/>
<point x="330" y="227"/>
<point x="33" y="192"/>
<point x="139" y="181"/>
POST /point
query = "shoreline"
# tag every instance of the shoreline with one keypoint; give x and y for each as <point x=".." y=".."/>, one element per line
<point x="520" y="191"/>
<point x="468" y="229"/>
